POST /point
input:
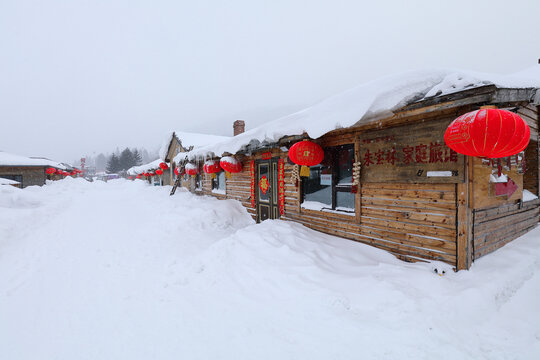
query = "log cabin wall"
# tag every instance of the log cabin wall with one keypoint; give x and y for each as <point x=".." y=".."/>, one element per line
<point x="26" y="175"/>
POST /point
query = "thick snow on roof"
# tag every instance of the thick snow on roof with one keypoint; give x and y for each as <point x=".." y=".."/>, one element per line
<point x="359" y="104"/>
<point x="136" y="170"/>
<point x="189" y="139"/>
<point x="7" y="159"/>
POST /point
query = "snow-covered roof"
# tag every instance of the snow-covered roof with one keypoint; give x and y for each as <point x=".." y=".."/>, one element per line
<point x="8" y="182"/>
<point x="362" y="103"/>
<point x="136" y="170"/>
<point x="188" y="140"/>
<point x="7" y="159"/>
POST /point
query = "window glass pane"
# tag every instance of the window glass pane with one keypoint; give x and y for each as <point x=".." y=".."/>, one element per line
<point x="345" y="155"/>
<point x="221" y="180"/>
<point x="318" y="186"/>
<point x="198" y="182"/>
<point x="344" y="200"/>
<point x="263" y="187"/>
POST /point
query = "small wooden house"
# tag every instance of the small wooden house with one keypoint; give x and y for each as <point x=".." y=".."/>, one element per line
<point x="388" y="179"/>
<point x="26" y="171"/>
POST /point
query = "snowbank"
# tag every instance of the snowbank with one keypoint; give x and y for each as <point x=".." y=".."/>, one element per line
<point x="136" y="170"/>
<point x="361" y="103"/>
<point x="122" y="270"/>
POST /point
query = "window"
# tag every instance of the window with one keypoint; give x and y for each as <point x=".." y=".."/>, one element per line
<point x="218" y="183"/>
<point x="329" y="184"/>
<point x="17" y="178"/>
<point x="198" y="181"/>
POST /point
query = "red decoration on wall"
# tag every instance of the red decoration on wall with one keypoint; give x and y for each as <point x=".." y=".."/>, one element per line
<point x="306" y="153"/>
<point x="159" y="172"/>
<point x="230" y="164"/>
<point x="491" y="133"/>
<point x="252" y="173"/>
<point x="281" y="185"/>
<point x="163" y="166"/>
<point x="266" y="156"/>
<point x="211" y="167"/>
<point x="507" y="188"/>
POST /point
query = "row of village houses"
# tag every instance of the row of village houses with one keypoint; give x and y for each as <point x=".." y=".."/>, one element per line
<point x="22" y="171"/>
<point x="386" y="177"/>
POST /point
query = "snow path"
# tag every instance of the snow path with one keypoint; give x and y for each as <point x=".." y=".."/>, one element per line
<point x="123" y="271"/>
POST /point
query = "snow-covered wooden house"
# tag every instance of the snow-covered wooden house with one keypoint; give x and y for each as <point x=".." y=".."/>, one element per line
<point x="26" y="171"/>
<point x="387" y="178"/>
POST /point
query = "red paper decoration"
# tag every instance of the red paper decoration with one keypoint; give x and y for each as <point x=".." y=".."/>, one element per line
<point x="306" y="153"/>
<point x="490" y="133"/>
<point x="211" y="167"/>
<point x="159" y="172"/>
<point x="191" y="169"/>
<point x="163" y="166"/>
<point x="230" y="164"/>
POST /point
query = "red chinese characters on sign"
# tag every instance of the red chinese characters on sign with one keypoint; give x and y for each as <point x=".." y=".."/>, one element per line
<point x="252" y="173"/>
<point x="266" y="156"/>
<point x="418" y="154"/>
<point x="281" y="186"/>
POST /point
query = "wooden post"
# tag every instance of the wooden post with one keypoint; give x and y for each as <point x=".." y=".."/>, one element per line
<point x="464" y="220"/>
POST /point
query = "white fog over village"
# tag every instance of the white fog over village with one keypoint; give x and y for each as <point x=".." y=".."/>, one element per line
<point x="269" y="180"/>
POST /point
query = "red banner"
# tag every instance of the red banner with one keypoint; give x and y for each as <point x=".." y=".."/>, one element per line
<point x="281" y="186"/>
<point x="252" y="172"/>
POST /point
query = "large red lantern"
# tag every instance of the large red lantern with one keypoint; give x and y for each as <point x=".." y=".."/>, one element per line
<point x="50" y="170"/>
<point x="191" y="169"/>
<point x="306" y="153"/>
<point x="159" y="172"/>
<point x="490" y="133"/>
<point x="211" y="167"/>
<point x="163" y="166"/>
<point x="230" y="164"/>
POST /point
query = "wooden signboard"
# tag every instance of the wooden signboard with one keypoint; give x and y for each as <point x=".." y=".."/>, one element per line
<point x="413" y="153"/>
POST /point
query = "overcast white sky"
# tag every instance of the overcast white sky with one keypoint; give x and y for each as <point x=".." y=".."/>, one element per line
<point x="78" y="77"/>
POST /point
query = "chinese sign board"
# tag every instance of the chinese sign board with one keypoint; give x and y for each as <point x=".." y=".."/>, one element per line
<point x="410" y="153"/>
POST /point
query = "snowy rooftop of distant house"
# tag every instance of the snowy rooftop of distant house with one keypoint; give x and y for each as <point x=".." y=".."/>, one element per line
<point x="7" y="159"/>
<point x="136" y="170"/>
<point x="188" y="140"/>
<point x="365" y="102"/>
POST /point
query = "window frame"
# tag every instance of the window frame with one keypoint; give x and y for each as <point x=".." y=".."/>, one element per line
<point x="335" y="187"/>
<point x="216" y="182"/>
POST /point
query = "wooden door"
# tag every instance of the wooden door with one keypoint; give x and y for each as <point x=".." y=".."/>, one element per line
<point x="266" y="184"/>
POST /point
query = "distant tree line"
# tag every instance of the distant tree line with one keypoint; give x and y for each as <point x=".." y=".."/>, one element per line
<point x="122" y="162"/>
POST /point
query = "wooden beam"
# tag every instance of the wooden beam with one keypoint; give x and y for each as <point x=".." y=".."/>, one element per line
<point x="464" y="218"/>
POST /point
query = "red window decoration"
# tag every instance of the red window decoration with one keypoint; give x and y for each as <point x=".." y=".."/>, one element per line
<point x="492" y="133"/>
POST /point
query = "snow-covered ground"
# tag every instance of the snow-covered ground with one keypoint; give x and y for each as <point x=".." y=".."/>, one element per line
<point x="120" y="270"/>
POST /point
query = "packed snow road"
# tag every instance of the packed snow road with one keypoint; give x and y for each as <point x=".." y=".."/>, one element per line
<point x="123" y="271"/>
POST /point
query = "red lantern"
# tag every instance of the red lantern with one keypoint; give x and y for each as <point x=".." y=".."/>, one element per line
<point x="176" y="171"/>
<point x="50" y="170"/>
<point x="191" y="169"/>
<point x="159" y="172"/>
<point x="230" y="164"/>
<point x="74" y="172"/>
<point x="306" y="153"/>
<point x="211" y="167"/>
<point x="151" y="174"/>
<point x="490" y="133"/>
<point x="163" y="166"/>
<point x="139" y="176"/>
<point x="130" y="177"/>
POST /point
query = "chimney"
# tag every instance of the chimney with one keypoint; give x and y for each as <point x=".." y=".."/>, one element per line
<point x="239" y="127"/>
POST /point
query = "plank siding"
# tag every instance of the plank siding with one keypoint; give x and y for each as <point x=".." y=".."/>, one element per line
<point x="494" y="227"/>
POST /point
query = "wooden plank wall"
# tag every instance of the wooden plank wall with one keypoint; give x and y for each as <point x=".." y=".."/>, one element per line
<point x="531" y="181"/>
<point x="411" y="221"/>
<point x="497" y="226"/>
